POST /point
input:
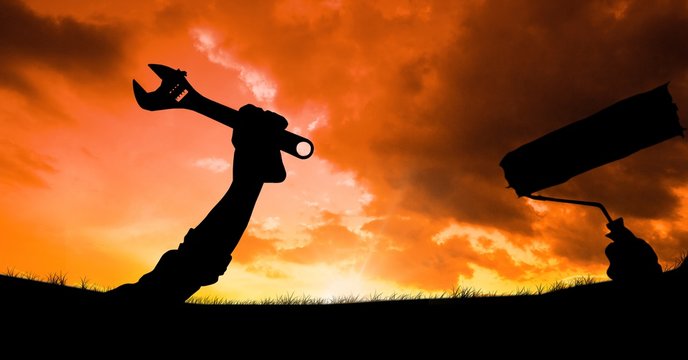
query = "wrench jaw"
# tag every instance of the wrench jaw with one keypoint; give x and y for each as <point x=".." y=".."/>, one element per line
<point x="146" y="100"/>
<point x="171" y="94"/>
<point x="166" y="72"/>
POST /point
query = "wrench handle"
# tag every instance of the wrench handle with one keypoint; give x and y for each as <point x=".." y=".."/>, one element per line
<point x="289" y="142"/>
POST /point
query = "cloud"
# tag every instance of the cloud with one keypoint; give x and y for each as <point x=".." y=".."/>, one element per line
<point x="262" y="88"/>
<point x="330" y="242"/>
<point x="417" y="102"/>
<point x="23" y="167"/>
<point x="399" y="249"/>
<point x="270" y="223"/>
<point x="216" y="165"/>
<point x="424" y="99"/>
<point x="252" y="248"/>
<point x="85" y="51"/>
<point x="439" y="115"/>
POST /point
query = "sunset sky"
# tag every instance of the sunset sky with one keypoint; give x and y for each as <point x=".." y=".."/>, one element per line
<point x="410" y="104"/>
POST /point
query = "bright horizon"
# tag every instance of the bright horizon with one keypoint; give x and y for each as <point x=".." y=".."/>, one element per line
<point x="410" y="105"/>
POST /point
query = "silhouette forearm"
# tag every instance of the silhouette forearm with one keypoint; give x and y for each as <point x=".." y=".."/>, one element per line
<point x="228" y="220"/>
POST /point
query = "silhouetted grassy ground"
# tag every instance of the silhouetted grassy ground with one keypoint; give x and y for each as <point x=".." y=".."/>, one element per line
<point x="594" y="311"/>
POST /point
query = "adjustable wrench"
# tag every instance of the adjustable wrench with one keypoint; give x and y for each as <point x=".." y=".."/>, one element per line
<point x="175" y="92"/>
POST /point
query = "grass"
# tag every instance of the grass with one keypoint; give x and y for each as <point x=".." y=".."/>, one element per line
<point x="12" y="272"/>
<point x="459" y="292"/>
<point x="56" y="278"/>
<point x="455" y="293"/>
<point x="679" y="262"/>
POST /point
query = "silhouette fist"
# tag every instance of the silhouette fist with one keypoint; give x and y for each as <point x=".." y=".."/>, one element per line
<point x="630" y="258"/>
<point x="255" y="138"/>
<point x="619" y="232"/>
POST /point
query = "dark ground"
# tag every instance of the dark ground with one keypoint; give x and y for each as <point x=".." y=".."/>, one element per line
<point x="588" y="313"/>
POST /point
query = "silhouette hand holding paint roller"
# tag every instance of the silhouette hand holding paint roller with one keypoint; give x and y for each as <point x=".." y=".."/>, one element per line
<point x="258" y="137"/>
<point x="611" y="134"/>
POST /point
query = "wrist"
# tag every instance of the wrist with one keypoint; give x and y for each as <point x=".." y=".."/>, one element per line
<point x="247" y="181"/>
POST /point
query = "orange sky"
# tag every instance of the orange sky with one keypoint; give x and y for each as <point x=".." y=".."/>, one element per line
<point x="411" y="106"/>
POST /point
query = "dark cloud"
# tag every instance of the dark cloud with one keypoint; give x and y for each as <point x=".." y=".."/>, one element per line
<point x="16" y="81"/>
<point x="515" y="72"/>
<point x="65" y="45"/>
<point x="666" y="246"/>
<point x="639" y="186"/>
<point x="529" y="74"/>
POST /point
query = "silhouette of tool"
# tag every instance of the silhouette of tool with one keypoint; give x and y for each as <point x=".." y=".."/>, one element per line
<point x="613" y="133"/>
<point x="175" y="92"/>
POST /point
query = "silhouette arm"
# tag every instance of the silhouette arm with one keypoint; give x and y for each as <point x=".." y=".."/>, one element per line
<point x="206" y="251"/>
<point x="257" y="160"/>
<point x="228" y="220"/>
